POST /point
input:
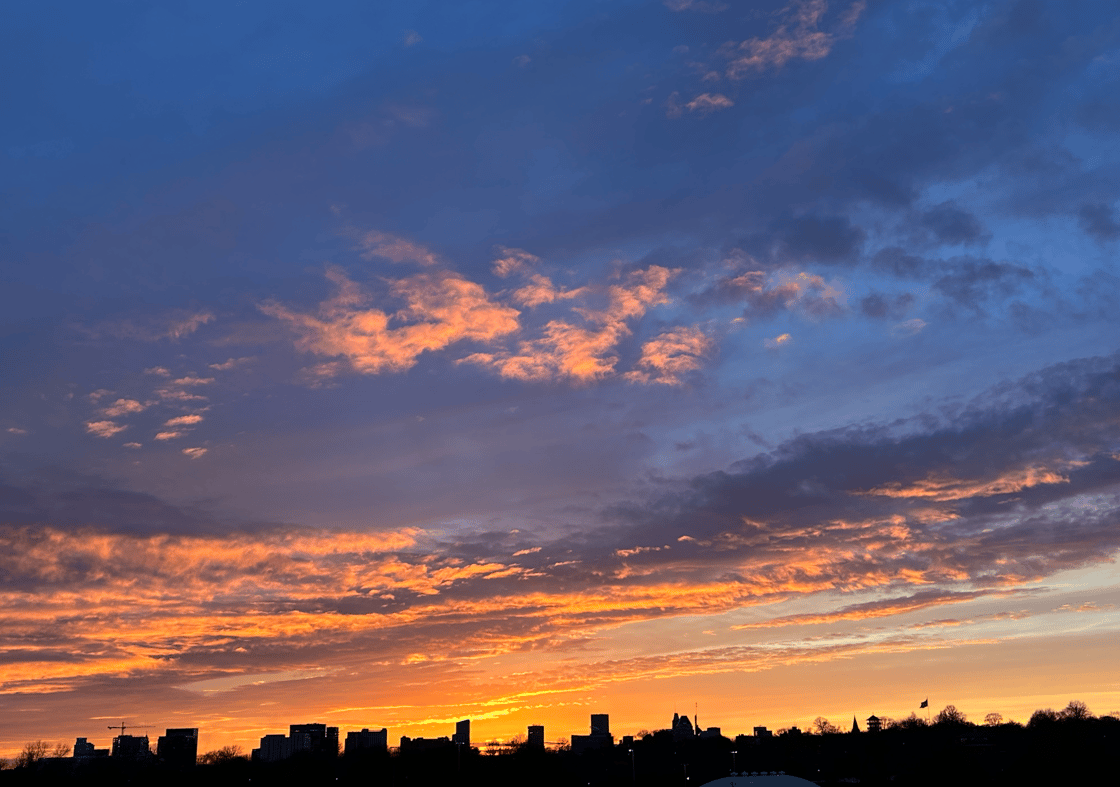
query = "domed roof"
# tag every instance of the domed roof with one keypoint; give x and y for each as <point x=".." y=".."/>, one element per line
<point x="761" y="780"/>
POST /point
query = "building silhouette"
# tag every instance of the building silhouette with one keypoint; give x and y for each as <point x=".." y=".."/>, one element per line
<point x="367" y="740"/>
<point x="600" y="737"/>
<point x="83" y="750"/>
<point x="322" y="739"/>
<point x="762" y="732"/>
<point x="874" y="724"/>
<point x="278" y="747"/>
<point x="462" y="734"/>
<point x="855" y="725"/>
<point x="682" y="728"/>
<point x="131" y="747"/>
<point x="535" y="738"/>
<point x="412" y="745"/>
<point x="178" y="747"/>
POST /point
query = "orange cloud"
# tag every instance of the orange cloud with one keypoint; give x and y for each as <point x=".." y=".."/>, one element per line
<point x="671" y="355"/>
<point x="440" y="308"/>
<point x="586" y="352"/>
<point x="943" y="487"/>
<point x="105" y="428"/>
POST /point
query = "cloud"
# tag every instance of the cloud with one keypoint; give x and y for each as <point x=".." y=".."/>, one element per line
<point x="703" y="6"/>
<point x="951" y="225"/>
<point x="777" y="341"/>
<point x="170" y="435"/>
<point x="513" y="261"/>
<point x="703" y="104"/>
<point x="105" y="428"/>
<point x="124" y="407"/>
<point x="438" y="309"/>
<point x="183" y="420"/>
<point x="395" y="249"/>
<point x="16" y="430"/>
<point x="175" y="325"/>
<point x="909" y="327"/>
<point x="195" y="453"/>
<point x="1099" y="220"/>
<point x="670" y="356"/>
<point x="706" y="103"/>
<point x="583" y="352"/>
<point x="797" y="37"/>
<point x="230" y="363"/>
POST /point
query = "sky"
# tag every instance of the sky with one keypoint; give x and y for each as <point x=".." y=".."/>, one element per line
<point x="388" y="364"/>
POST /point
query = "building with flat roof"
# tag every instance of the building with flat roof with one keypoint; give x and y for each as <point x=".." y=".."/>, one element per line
<point x="535" y="738"/>
<point x="367" y="740"/>
<point x="178" y="747"/>
<point x="462" y="734"/>
<point x="600" y="737"/>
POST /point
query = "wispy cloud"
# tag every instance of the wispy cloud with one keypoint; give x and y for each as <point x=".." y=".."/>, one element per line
<point x="798" y="37"/>
<point x="105" y="428"/>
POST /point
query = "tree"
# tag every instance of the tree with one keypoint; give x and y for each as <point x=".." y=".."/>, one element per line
<point x="1076" y="711"/>
<point x="1042" y="717"/>
<point x="32" y="753"/>
<point x="822" y="726"/>
<point x="949" y="715"/>
<point x="219" y="756"/>
<point x="61" y="750"/>
<point x="913" y="721"/>
<point x="993" y="719"/>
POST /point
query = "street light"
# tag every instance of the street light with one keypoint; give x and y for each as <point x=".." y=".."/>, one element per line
<point x="633" y="773"/>
<point x="734" y="768"/>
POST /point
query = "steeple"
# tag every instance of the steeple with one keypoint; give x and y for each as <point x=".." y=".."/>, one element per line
<point x="855" y="725"/>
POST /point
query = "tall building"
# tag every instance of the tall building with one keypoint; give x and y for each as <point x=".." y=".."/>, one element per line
<point x="682" y="728"/>
<point x="367" y="740"/>
<point x="462" y="734"/>
<point x="535" y="739"/>
<point x="874" y="723"/>
<point x="132" y="747"/>
<point x="322" y="739"/>
<point x="178" y="747"/>
<point x="277" y="747"/>
<point x="600" y="737"/>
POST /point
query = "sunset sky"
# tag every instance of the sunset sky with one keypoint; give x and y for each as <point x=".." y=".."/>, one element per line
<point x="389" y="364"/>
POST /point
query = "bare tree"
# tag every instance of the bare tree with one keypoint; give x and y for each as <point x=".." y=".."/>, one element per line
<point x="822" y="726"/>
<point x="32" y="753"/>
<point x="912" y="721"/>
<point x="61" y="750"/>
<point x="1076" y="711"/>
<point x="224" y="754"/>
<point x="993" y="719"/>
<point x="950" y="715"/>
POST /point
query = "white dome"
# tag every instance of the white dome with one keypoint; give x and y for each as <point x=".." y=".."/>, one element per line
<point x="781" y="780"/>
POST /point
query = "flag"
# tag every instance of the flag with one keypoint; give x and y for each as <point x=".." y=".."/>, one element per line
<point x="925" y="704"/>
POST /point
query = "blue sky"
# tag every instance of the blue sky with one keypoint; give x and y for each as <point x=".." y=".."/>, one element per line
<point x="519" y="338"/>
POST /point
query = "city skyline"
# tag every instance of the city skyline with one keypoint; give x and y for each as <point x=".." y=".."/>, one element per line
<point x="403" y="363"/>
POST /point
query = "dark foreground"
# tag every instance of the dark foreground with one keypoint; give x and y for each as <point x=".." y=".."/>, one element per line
<point x="1082" y="752"/>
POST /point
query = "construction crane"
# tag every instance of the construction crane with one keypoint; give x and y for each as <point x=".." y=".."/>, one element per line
<point x="122" y="726"/>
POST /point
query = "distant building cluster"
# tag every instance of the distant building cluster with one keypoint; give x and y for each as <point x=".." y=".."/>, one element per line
<point x="178" y="747"/>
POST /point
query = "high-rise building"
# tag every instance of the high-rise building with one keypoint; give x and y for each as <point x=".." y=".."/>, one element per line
<point x="321" y="738"/>
<point x="178" y="747"/>
<point x="462" y="734"/>
<point x="600" y="737"/>
<point x="535" y="739"/>
<point x="132" y="747"/>
<point x="367" y="740"/>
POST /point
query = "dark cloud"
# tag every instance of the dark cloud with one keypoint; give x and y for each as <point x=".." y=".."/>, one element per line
<point x="1100" y="221"/>
<point x="952" y="225"/>
<point x="819" y="239"/>
<point x="880" y="305"/>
